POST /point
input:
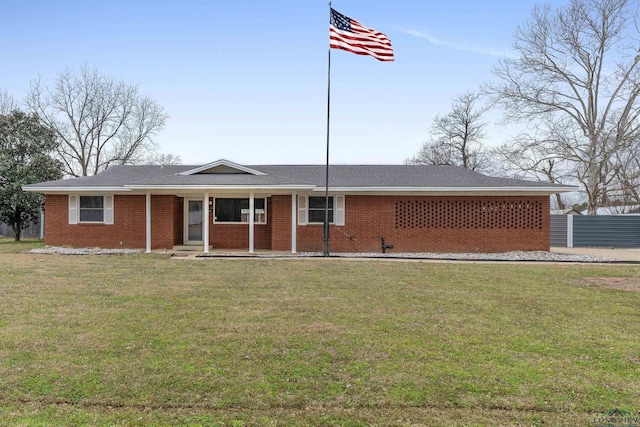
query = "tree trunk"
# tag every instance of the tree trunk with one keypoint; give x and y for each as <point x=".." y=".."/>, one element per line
<point x="593" y="177"/>
<point x="560" y="202"/>
<point x="592" y="207"/>
<point x="17" y="229"/>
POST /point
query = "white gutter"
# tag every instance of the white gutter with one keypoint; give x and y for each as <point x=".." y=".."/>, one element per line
<point x="449" y="190"/>
<point x="76" y="189"/>
<point x="261" y="188"/>
<point x="345" y="190"/>
<point x="133" y="187"/>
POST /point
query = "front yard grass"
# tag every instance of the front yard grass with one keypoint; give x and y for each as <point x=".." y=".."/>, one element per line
<point x="10" y="246"/>
<point x="147" y="340"/>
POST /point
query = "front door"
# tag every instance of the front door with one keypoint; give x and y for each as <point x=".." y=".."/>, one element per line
<point x="193" y="222"/>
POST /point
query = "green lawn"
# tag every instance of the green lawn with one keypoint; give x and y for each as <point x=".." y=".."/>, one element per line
<point x="10" y="246"/>
<point x="149" y="340"/>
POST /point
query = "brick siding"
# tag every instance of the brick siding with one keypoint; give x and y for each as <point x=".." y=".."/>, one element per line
<point x="236" y="236"/>
<point x="128" y="229"/>
<point x="280" y="221"/>
<point x="369" y="218"/>
<point x="411" y="224"/>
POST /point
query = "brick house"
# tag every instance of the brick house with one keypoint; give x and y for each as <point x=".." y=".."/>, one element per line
<point x="225" y="205"/>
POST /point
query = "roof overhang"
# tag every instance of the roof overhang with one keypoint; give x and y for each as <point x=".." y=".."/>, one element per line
<point x="221" y="187"/>
<point x="67" y="190"/>
<point x="424" y="191"/>
<point x="448" y="191"/>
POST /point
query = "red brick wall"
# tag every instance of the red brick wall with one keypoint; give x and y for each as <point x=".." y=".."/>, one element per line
<point x="368" y="218"/>
<point x="178" y="221"/>
<point x="236" y="236"/>
<point x="127" y="231"/>
<point x="163" y="209"/>
<point x="280" y="221"/>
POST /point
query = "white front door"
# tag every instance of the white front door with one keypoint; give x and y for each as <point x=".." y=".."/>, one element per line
<point x="193" y="230"/>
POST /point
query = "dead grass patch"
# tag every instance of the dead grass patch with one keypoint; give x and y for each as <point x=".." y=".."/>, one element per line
<point x="621" y="283"/>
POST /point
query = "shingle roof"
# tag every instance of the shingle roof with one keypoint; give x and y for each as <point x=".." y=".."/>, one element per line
<point x="353" y="177"/>
<point x="115" y="176"/>
<point x="393" y="176"/>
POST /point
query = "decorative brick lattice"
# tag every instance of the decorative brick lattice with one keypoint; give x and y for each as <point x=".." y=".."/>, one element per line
<point x="469" y="214"/>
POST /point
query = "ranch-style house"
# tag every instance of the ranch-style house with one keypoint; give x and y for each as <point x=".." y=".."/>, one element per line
<point x="225" y="205"/>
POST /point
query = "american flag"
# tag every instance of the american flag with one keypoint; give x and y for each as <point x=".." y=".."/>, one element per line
<point x="348" y="34"/>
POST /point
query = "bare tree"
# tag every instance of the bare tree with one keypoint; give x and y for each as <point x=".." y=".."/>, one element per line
<point x="624" y="193"/>
<point x="533" y="156"/>
<point x="7" y="103"/>
<point x="577" y="70"/>
<point x="99" y="120"/>
<point x="164" y="159"/>
<point x="457" y="137"/>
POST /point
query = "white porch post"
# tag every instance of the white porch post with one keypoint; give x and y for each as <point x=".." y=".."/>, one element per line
<point x="294" y="223"/>
<point x="205" y="221"/>
<point x="148" y="222"/>
<point x="251" y="221"/>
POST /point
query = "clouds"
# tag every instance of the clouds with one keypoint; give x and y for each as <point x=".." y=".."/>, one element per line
<point x="462" y="46"/>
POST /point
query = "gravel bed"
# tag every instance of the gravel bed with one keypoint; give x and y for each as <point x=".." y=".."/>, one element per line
<point x="505" y="256"/>
<point x="82" y="251"/>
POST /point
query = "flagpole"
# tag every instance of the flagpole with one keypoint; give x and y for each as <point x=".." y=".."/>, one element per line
<point x="325" y="238"/>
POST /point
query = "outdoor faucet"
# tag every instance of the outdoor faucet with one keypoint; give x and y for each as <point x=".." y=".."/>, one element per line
<point x="385" y="247"/>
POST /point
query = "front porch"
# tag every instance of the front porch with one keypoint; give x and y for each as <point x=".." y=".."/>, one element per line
<point x="227" y="221"/>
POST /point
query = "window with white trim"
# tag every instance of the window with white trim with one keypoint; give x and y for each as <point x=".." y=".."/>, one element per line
<point x="236" y="210"/>
<point x="90" y="209"/>
<point x="317" y="209"/>
<point x="311" y="210"/>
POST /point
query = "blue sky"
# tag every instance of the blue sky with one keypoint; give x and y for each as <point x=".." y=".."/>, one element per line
<point x="247" y="80"/>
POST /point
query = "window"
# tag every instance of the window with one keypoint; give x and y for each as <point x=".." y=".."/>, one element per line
<point x="237" y="210"/>
<point x="91" y="209"/>
<point x="311" y="209"/>
<point x="317" y="208"/>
